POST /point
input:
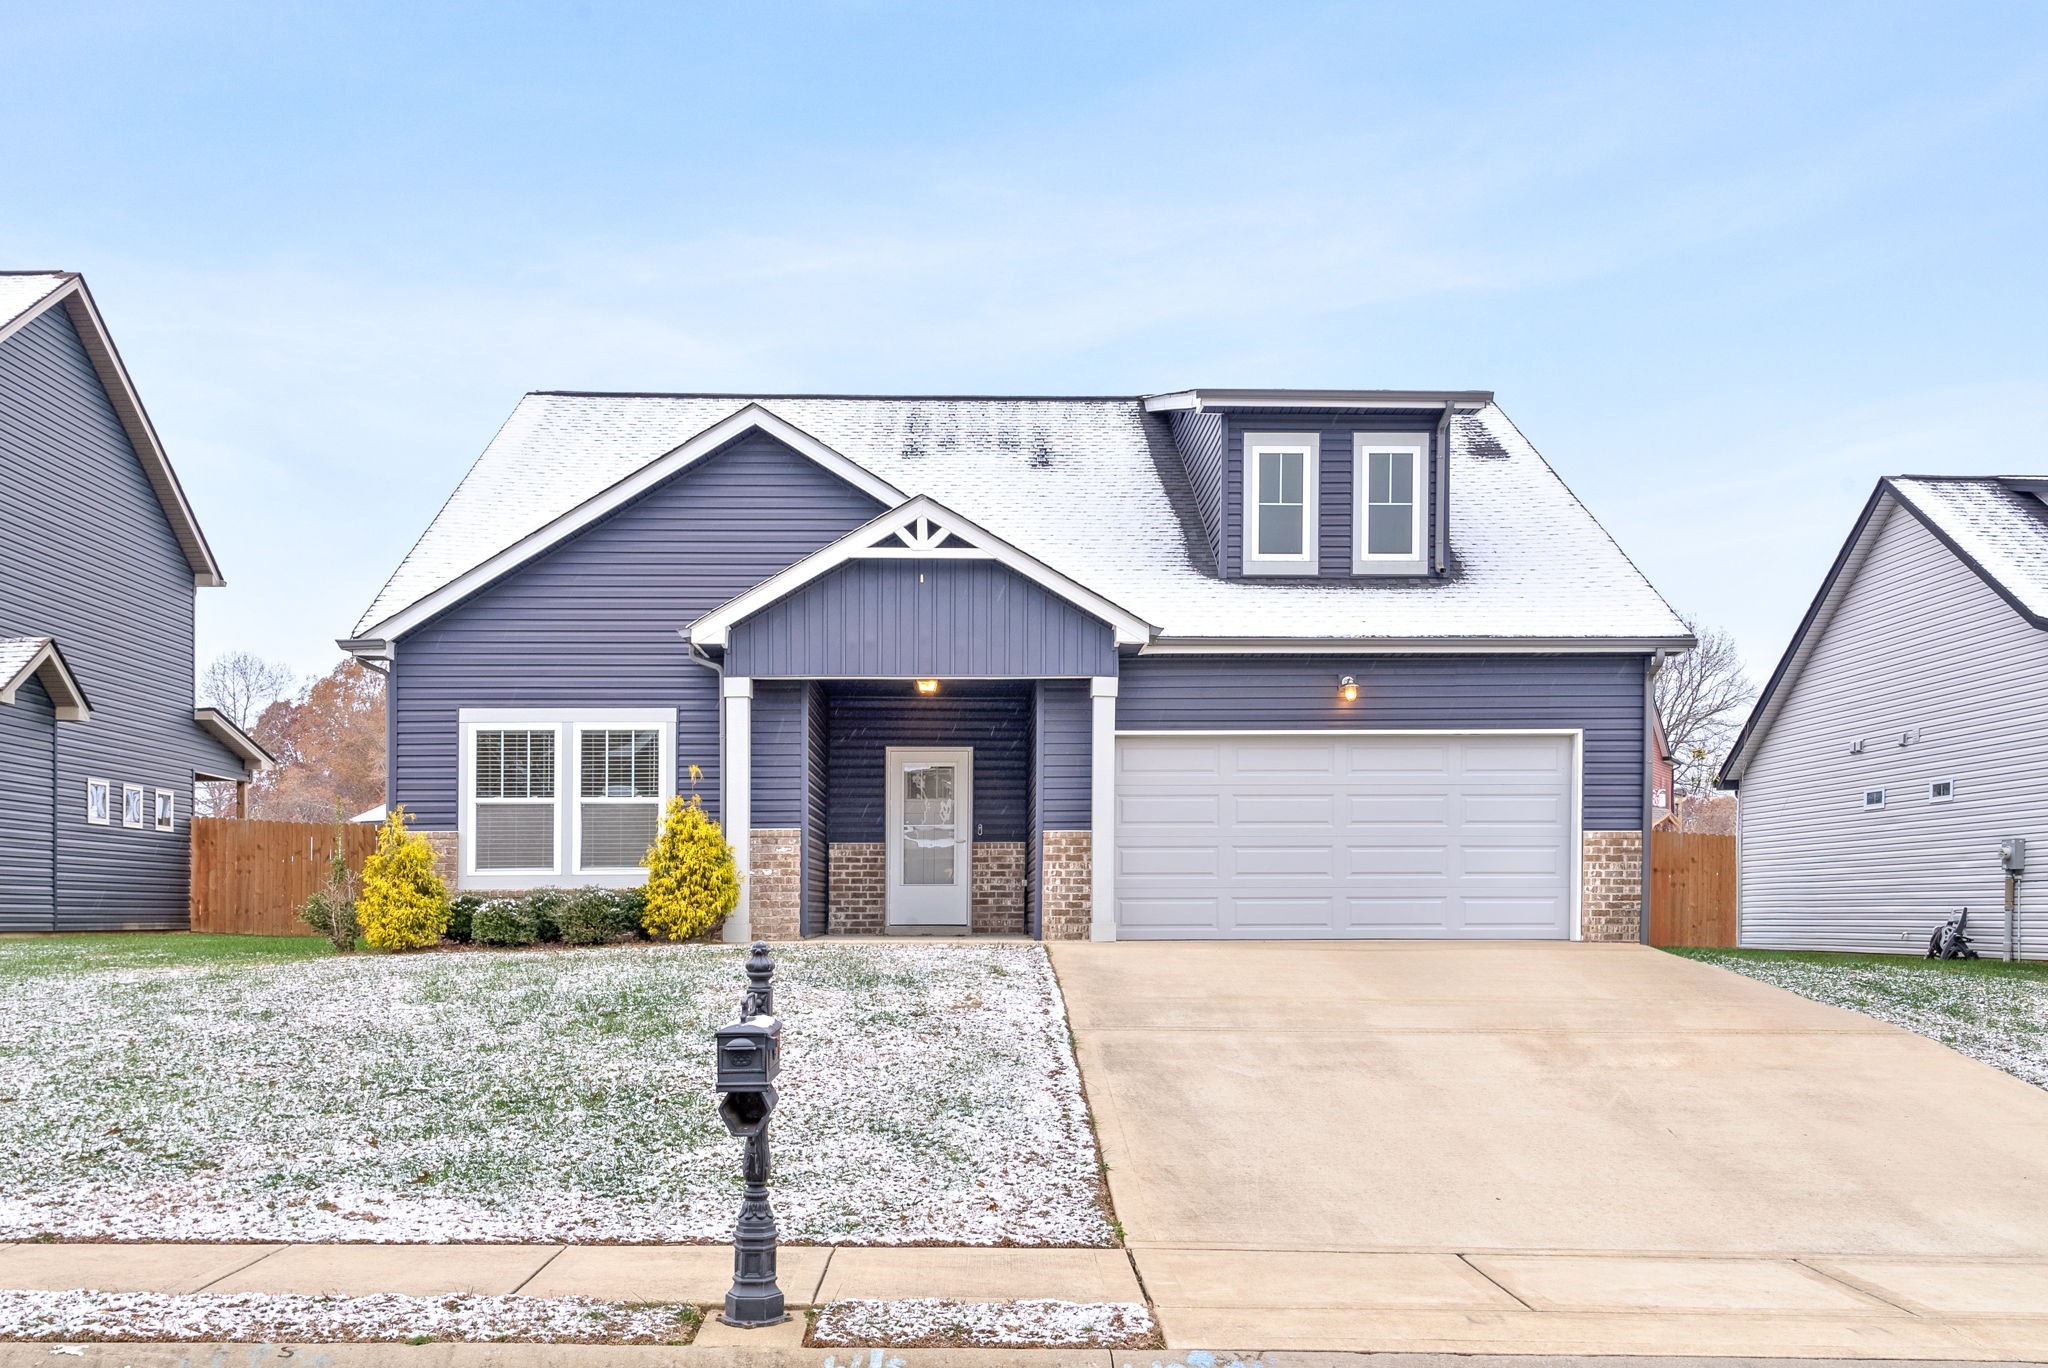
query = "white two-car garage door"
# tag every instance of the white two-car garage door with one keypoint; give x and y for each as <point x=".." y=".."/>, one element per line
<point x="1253" y="837"/>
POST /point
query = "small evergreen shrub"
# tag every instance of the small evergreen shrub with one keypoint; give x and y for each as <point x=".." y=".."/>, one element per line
<point x="545" y="905"/>
<point x="461" y="916"/>
<point x="503" y="921"/>
<point x="332" y="909"/>
<point x="403" y="904"/>
<point x="598" y="916"/>
<point x="692" y="880"/>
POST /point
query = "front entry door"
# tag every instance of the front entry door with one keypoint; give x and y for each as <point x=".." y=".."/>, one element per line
<point x="929" y="832"/>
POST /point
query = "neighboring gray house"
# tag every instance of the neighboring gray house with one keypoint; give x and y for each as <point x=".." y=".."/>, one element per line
<point x="1214" y="664"/>
<point x="99" y="560"/>
<point x="1905" y="733"/>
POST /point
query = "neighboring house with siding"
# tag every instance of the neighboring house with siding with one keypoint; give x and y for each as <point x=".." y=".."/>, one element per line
<point x="1211" y="664"/>
<point x="1905" y="733"/>
<point x="100" y="558"/>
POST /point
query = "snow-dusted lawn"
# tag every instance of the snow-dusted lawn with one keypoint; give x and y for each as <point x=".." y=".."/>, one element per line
<point x="927" y="1322"/>
<point x="1986" y="1009"/>
<point x="268" y="1318"/>
<point x="156" y="1089"/>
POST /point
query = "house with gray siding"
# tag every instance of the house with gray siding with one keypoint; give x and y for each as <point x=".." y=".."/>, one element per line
<point x="1213" y="664"/>
<point x="100" y="560"/>
<point x="1903" y="737"/>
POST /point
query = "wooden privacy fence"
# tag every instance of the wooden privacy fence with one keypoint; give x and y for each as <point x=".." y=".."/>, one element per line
<point x="1692" y="889"/>
<point x="251" y="878"/>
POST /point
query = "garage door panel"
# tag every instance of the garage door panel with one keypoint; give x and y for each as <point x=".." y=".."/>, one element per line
<point x="1274" y="836"/>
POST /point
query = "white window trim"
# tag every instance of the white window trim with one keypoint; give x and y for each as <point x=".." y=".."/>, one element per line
<point x="1255" y="445"/>
<point x="1363" y="445"/>
<point x="665" y="786"/>
<point x="141" y="813"/>
<point x="1934" y="797"/>
<point x="1877" y="806"/>
<point x="565" y="723"/>
<point x="106" y="807"/>
<point x="164" y="823"/>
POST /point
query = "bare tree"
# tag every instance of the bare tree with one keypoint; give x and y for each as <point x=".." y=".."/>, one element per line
<point x="241" y="684"/>
<point x="1703" y="696"/>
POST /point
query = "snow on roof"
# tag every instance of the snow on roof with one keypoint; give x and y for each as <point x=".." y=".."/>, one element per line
<point x="1094" y="488"/>
<point x="15" y="654"/>
<point x="22" y="290"/>
<point x="2004" y="530"/>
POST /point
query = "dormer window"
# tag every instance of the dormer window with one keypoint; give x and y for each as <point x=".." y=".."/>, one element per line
<point x="1391" y="479"/>
<point x="1280" y="503"/>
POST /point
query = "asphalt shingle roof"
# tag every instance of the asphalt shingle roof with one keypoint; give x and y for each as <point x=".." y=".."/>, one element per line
<point x="19" y="292"/>
<point x="1092" y="487"/>
<point x="2004" y="530"/>
<point x="15" y="654"/>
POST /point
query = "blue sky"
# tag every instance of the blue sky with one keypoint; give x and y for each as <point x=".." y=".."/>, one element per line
<point x="1724" y="264"/>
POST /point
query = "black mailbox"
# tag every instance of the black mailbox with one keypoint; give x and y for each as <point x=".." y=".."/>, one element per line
<point x="749" y="1055"/>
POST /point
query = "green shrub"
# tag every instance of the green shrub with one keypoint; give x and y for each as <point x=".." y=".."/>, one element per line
<point x="503" y="921"/>
<point x="403" y="904"/>
<point x="598" y="916"/>
<point x="332" y="909"/>
<point x="461" y="912"/>
<point x="692" y="880"/>
<point x="545" y="905"/>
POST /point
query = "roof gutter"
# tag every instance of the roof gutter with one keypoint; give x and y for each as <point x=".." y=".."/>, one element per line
<point x="1200" y="400"/>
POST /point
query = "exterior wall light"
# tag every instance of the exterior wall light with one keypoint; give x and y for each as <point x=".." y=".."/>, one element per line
<point x="927" y="686"/>
<point x="1347" y="689"/>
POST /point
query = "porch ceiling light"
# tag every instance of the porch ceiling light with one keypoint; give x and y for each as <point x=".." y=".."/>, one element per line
<point x="1347" y="689"/>
<point x="927" y="686"/>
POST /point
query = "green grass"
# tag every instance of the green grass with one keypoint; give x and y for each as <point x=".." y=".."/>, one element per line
<point x="24" y="957"/>
<point x="1988" y="1009"/>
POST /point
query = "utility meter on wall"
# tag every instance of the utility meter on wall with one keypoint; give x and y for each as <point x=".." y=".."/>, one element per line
<point x="2012" y="854"/>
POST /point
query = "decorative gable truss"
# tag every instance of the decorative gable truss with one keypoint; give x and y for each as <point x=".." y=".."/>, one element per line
<point x="919" y="529"/>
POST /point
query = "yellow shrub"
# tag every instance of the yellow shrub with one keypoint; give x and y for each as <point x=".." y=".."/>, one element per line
<point x="692" y="881"/>
<point x="403" y="904"/>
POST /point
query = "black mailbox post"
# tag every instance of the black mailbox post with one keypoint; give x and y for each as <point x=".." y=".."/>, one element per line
<point x="748" y="1062"/>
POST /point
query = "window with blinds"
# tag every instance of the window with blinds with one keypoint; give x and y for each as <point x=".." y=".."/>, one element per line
<point x="618" y="796"/>
<point x="515" y="800"/>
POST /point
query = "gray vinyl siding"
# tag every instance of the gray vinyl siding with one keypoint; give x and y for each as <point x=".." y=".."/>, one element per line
<point x="865" y="720"/>
<point x="1199" y="438"/>
<point x="1334" y="523"/>
<point x="1599" y="695"/>
<point x="1065" y="776"/>
<point x="817" y="756"/>
<point x="879" y="619"/>
<point x="1919" y="643"/>
<point x="781" y="755"/>
<point x="87" y="557"/>
<point x="28" y="792"/>
<point x="593" y="622"/>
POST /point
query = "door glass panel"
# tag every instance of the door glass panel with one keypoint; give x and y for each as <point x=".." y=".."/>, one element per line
<point x="929" y="828"/>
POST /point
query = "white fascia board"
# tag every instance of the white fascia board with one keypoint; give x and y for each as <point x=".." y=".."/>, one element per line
<point x="1464" y="400"/>
<point x="134" y="420"/>
<point x="866" y="541"/>
<point x="1489" y="645"/>
<point x="66" y="697"/>
<point x="751" y="418"/>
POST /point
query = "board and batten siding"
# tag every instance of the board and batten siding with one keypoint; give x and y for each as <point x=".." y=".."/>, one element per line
<point x="88" y="557"/>
<point x="900" y="618"/>
<point x="1918" y="644"/>
<point x="594" y="622"/>
<point x="1599" y="695"/>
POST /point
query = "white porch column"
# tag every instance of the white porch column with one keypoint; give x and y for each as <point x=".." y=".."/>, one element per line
<point x="1102" y="807"/>
<point x="736" y="805"/>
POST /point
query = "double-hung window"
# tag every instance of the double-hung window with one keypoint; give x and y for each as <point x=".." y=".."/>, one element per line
<point x="1280" y="472"/>
<point x="1391" y="474"/>
<point x="568" y="795"/>
<point x="618" y="796"/>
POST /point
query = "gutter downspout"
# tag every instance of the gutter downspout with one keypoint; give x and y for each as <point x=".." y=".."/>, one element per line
<point x="1441" y="542"/>
<point x="1651" y="666"/>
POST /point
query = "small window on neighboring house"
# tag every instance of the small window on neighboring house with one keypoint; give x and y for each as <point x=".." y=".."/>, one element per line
<point x="1280" y="504"/>
<point x="97" y="802"/>
<point x="1873" y="799"/>
<point x="1941" y="791"/>
<point x="131" y="805"/>
<point x="166" y="810"/>
<point x="514" y="797"/>
<point x="618" y="796"/>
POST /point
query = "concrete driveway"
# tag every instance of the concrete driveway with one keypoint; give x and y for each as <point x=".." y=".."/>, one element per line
<point x="1539" y="1125"/>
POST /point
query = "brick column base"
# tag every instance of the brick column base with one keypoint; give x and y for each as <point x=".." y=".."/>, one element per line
<point x="775" y="887"/>
<point x="1611" y="886"/>
<point x="854" y="888"/>
<point x="447" y="856"/>
<point x="1000" y="905"/>
<point x="1066" y="880"/>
